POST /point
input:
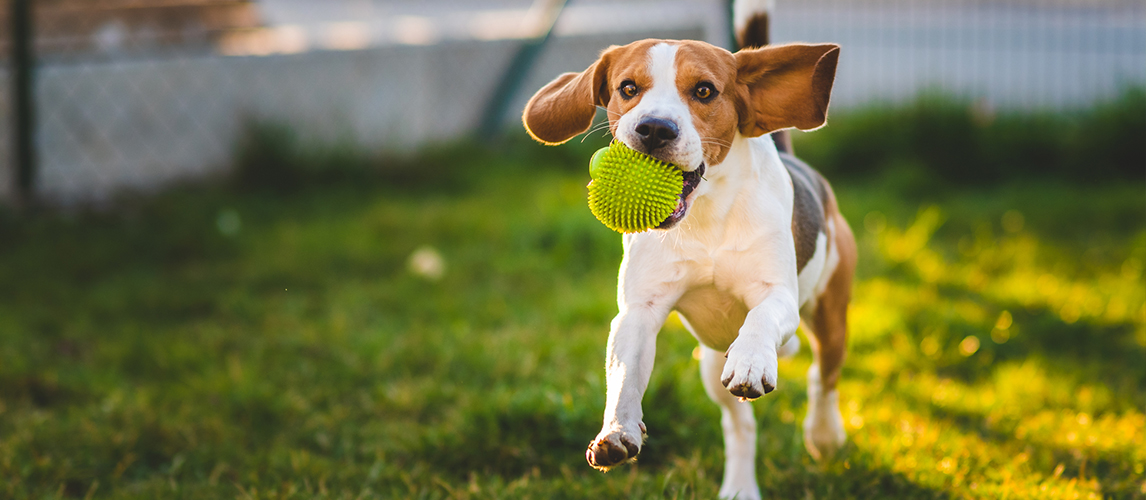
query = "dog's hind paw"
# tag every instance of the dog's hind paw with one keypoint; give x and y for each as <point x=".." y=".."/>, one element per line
<point x="751" y="371"/>
<point x="789" y="348"/>
<point x="747" y="491"/>
<point x="614" y="447"/>
<point x="824" y="433"/>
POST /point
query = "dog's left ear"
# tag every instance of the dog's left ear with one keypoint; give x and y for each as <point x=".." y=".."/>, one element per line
<point x="785" y="86"/>
<point x="565" y="107"/>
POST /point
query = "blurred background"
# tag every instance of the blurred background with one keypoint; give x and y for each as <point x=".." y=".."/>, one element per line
<point x="136" y="94"/>
<point x="304" y="249"/>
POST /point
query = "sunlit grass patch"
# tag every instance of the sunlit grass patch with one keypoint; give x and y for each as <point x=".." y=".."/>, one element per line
<point x="973" y="357"/>
<point x="948" y="457"/>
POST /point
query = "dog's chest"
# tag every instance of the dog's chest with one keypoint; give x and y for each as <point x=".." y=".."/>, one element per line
<point x="714" y="317"/>
<point x="718" y="278"/>
<point x="712" y="304"/>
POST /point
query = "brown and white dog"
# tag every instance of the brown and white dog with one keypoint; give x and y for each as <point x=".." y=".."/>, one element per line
<point x="755" y="245"/>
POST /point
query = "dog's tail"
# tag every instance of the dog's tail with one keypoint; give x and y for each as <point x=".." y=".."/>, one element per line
<point x="750" y="24"/>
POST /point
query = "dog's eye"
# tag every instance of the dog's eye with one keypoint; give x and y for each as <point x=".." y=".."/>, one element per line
<point x="628" y="89"/>
<point x="704" y="92"/>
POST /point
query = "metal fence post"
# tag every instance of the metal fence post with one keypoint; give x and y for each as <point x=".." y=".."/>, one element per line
<point x="23" y="125"/>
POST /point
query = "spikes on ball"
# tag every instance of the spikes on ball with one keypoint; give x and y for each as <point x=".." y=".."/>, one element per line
<point x="631" y="191"/>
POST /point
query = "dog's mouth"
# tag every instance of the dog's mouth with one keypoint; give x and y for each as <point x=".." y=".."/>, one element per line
<point x="691" y="181"/>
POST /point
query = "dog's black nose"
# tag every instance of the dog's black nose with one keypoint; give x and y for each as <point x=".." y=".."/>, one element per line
<point x="656" y="132"/>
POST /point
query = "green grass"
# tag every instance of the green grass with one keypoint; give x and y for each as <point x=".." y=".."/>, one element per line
<point x="997" y="347"/>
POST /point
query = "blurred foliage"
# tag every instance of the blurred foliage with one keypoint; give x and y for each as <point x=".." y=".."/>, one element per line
<point x="272" y="158"/>
<point x="940" y="140"/>
<point x="432" y="326"/>
<point x="936" y="142"/>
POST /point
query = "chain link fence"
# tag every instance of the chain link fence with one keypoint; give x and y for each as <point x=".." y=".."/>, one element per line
<point x="1028" y="54"/>
<point x="140" y="94"/>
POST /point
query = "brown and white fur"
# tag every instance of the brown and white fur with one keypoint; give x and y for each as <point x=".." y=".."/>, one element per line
<point x="757" y="246"/>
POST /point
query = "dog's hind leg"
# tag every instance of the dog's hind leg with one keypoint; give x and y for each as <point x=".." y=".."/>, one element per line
<point x="739" y="424"/>
<point x="823" y="426"/>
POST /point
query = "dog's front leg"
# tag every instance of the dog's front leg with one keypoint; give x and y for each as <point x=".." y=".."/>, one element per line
<point x="628" y="365"/>
<point x="752" y="367"/>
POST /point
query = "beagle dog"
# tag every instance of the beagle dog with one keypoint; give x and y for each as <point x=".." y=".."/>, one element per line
<point x="755" y="246"/>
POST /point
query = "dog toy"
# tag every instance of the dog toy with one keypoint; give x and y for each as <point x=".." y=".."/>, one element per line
<point x="631" y="191"/>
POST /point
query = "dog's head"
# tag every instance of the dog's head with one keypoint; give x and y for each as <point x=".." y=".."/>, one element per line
<point x="684" y="101"/>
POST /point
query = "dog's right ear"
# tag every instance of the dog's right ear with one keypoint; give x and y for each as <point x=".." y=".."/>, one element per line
<point x="785" y="86"/>
<point x="566" y="106"/>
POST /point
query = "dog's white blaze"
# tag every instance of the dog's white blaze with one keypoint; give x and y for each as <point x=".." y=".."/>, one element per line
<point x="663" y="100"/>
<point x="662" y="67"/>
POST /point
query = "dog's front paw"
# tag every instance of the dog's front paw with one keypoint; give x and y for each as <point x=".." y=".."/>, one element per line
<point x="614" y="447"/>
<point x="751" y="370"/>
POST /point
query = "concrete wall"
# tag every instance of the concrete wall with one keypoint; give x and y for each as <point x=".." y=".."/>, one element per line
<point x="141" y="125"/>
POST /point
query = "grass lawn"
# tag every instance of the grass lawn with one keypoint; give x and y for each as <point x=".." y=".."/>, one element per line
<point x="219" y="343"/>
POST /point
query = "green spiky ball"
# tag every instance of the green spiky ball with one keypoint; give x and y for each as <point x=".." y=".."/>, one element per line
<point x="631" y="191"/>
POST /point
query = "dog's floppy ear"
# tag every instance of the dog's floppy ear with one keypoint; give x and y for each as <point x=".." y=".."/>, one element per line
<point x="566" y="106"/>
<point x="785" y="86"/>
